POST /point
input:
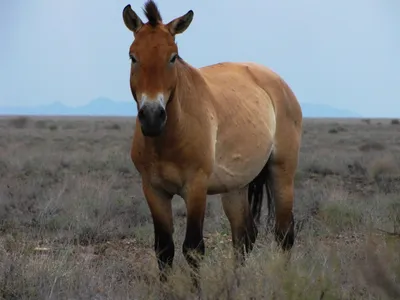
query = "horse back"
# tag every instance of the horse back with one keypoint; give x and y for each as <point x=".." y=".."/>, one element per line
<point x="253" y="88"/>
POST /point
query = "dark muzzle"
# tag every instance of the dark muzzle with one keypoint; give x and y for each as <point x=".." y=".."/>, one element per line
<point x="152" y="117"/>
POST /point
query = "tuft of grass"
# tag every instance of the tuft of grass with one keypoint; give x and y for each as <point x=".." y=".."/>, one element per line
<point x="19" y="122"/>
<point x="114" y="126"/>
<point x="395" y="122"/>
<point x="53" y="127"/>
<point x="337" y="129"/>
<point x="382" y="166"/>
<point x="371" y="146"/>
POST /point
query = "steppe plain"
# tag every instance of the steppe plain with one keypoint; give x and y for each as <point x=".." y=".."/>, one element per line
<point x="74" y="223"/>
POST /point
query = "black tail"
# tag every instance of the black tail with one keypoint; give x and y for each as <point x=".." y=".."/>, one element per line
<point x="256" y="192"/>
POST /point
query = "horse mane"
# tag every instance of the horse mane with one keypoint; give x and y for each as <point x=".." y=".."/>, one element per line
<point x="152" y="13"/>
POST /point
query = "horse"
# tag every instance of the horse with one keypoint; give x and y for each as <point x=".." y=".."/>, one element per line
<point x="228" y="128"/>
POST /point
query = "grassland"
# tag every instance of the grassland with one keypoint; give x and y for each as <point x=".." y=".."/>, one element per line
<point x="74" y="223"/>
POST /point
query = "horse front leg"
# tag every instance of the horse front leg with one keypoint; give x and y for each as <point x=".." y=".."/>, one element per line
<point x="160" y="205"/>
<point x="193" y="246"/>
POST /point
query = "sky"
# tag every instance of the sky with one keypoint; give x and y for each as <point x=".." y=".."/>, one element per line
<point x="342" y="53"/>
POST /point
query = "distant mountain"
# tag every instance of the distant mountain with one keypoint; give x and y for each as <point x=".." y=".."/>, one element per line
<point x="311" y="110"/>
<point x="97" y="107"/>
<point x="107" y="107"/>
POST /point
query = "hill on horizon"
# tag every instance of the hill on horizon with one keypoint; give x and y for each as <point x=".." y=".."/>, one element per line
<point x="103" y="106"/>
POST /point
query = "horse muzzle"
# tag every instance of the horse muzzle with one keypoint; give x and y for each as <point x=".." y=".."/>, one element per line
<point x="152" y="117"/>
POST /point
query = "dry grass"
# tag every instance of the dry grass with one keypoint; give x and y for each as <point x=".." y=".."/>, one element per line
<point x="74" y="223"/>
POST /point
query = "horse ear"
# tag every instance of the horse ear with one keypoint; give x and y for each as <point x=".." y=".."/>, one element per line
<point x="131" y="19"/>
<point x="180" y="24"/>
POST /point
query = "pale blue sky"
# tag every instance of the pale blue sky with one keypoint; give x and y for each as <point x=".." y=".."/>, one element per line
<point x="343" y="53"/>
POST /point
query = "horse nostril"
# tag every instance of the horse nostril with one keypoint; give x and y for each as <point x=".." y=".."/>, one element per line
<point x="162" y="113"/>
<point x="141" y="114"/>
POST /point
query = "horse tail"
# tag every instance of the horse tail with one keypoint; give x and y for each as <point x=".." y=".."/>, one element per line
<point x="256" y="192"/>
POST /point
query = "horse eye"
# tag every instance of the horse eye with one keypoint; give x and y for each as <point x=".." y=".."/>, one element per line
<point x="173" y="58"/>
<point x="132" y="58"/>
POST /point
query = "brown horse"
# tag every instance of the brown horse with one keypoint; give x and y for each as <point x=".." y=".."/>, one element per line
<point x="228" y="128"/>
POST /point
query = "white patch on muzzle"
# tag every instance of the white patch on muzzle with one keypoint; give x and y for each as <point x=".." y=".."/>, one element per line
<point x="159" y="99"/>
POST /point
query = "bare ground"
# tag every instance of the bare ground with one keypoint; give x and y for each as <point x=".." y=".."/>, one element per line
<point x="74" y="223"/>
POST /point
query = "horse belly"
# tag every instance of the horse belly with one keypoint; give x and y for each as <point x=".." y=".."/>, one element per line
<point x="239" y="159"/>
<point x="237" y="170"/>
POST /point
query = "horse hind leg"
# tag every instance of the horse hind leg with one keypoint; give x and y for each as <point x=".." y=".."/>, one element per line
<point x="243" y="229"/>
<point x="281" y="182"/>
<point x="278" y="178"/>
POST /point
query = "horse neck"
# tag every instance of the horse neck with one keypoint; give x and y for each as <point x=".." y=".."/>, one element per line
<point x="189" y="83"/>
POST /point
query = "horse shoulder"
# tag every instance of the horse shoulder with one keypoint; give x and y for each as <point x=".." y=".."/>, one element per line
<point x="140" y="156"/>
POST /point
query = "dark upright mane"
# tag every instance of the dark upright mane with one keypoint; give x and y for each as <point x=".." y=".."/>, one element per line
<point x="152" y="13"/>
